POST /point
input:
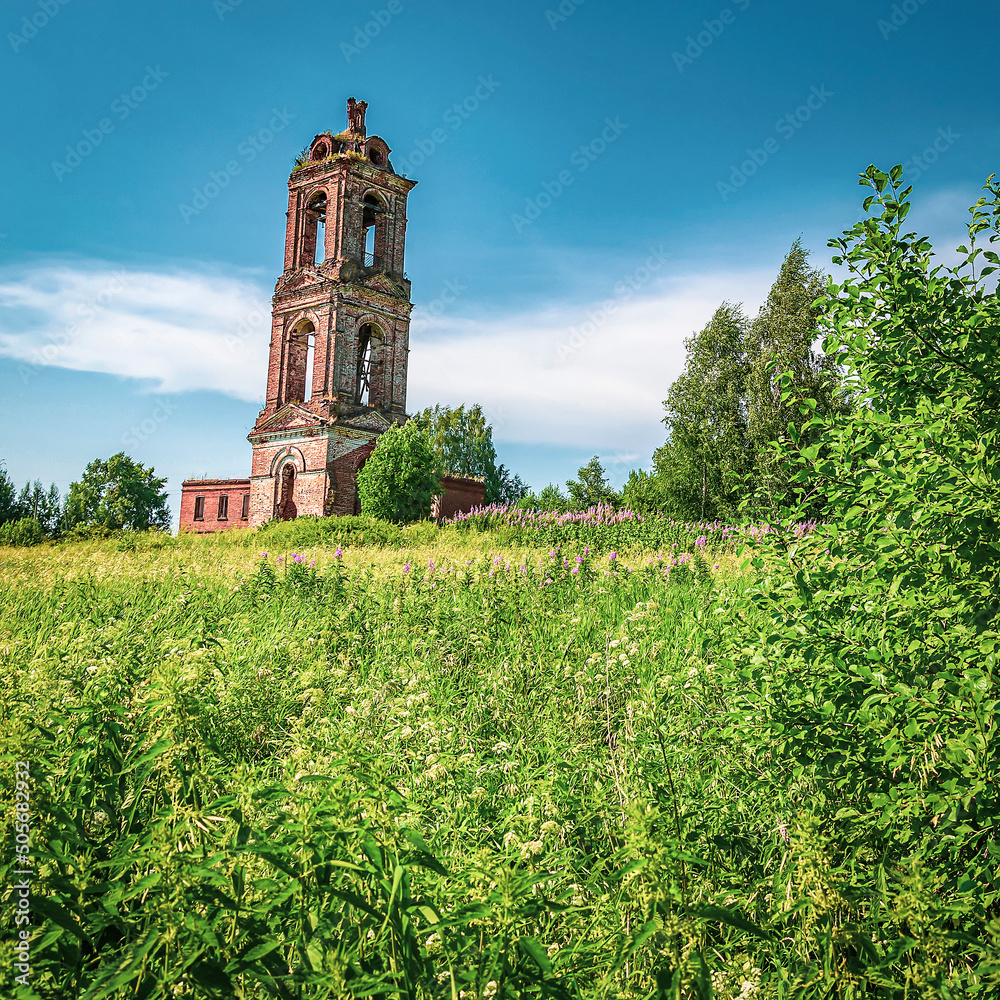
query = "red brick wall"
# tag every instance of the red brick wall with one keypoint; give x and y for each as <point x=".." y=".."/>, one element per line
<point x="211" y="490"/>
<point x="460" y="496"/>
<point x="343" y="473"/>
<point x="325" y="486"/>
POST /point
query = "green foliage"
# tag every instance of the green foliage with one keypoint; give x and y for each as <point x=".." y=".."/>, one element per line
<point x="32" y="502"/>
<point x="780" y="343"/>
<point x="301" y="159"/>
<point x="644" y="493"/>
<point x="463" y="443"/>
<point x="875" y="682"/>
<point x="707" y="453"/>
<point x="89" y="532"/>
<point x="548" y="782"/>
<point x="551" y="498"/>
<point x="150" y="540"/>
<point x="461" y="438"/>
<point x="9" y="510"/>
<point x="420" y="533"/>
<point x="330" y="531"/>
<point x="401" y="477"/>
<point x="506" y="487"/>
<point x="727" y="410"/>
<point x="44" y="506"/>
<point x="24" y="532"/>
<point x="119" y="493"/>
<point x="591" y="487"/>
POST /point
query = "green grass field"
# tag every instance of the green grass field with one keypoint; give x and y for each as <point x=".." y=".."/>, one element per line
<point x="449" y="768"/>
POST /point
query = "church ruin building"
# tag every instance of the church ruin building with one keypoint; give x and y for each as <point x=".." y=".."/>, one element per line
<point x="336" y="376"/>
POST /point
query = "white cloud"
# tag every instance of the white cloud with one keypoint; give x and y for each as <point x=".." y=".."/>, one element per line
<point x="181" y="330"/>
<point x="566" y="375"/>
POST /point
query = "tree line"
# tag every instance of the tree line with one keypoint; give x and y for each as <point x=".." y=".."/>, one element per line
<point x="748" y="387"/>
<point x="111" y="495"/>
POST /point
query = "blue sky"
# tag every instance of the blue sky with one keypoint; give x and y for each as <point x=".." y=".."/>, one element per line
<point x="594" y="178"/>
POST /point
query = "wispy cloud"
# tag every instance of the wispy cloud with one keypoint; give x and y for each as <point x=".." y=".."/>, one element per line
<point x="575" y="374"/>
<point x="606" y="392"/>
<point x="180" y="330"/>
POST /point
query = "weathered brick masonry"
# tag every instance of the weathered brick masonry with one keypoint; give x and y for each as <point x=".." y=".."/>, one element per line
<point x="214" y="504"/>
<point x="336" y="375"/>
<point x="459" y="495"/>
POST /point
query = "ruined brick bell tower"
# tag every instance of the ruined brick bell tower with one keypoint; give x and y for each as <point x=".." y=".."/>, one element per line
<point x="340" y="328"/>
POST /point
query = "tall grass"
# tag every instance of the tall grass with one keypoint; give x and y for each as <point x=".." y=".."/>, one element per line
<point x="440" y="769"/>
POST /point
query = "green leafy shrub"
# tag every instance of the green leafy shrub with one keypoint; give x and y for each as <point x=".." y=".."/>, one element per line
<point x="401" y="477"/>
<point x="875" y="683"/>
<point x="331" y="531"/>
<point x="24" y="532"/>
<point x="421" y="533"/>
<point x="88" y="533"/>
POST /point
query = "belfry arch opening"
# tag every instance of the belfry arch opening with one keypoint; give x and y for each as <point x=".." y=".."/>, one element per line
<point x="369" y="340"/>
<point x="314" y="237"/>
<point x="301" y="362"/>
<point x="375" y="220"/>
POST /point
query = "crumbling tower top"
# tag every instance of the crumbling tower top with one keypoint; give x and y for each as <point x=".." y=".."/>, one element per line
<point x="356" y="116"/>
<point x="353" y="140"/>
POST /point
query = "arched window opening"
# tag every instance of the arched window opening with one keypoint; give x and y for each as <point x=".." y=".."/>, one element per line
<point x="310" y="364"/>
<point x="320" y="241"/>
<point x="375" y="219"/>
<point x="375" y="155"/>
<point x="286" y="498"/>
<point x="301" y="360"/>
<point x="314" y="237"/>
<point x="369" y="339"/>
